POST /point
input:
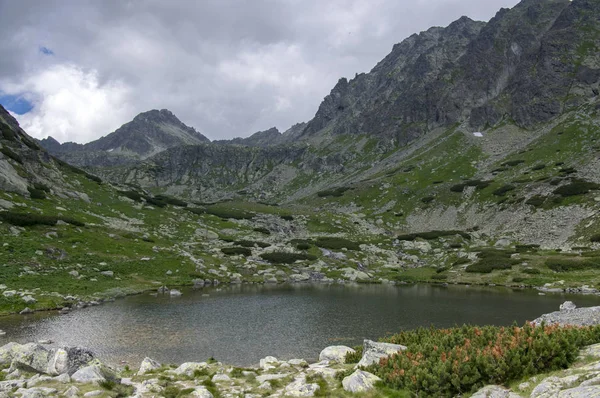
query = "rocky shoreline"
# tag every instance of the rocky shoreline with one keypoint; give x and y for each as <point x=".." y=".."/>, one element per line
<point x="35" y="371"/>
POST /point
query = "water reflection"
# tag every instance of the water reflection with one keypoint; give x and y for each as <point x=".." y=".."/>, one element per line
<point x="241" y="324"/>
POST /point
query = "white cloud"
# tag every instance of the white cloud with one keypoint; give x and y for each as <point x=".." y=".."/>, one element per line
<point x="228" y="68"/>
<point x="70" y="103"/>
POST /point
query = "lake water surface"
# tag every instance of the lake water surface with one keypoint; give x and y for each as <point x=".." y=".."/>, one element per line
<point x="241" y="324"/>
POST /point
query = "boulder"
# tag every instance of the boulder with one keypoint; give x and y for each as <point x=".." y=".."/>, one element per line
<point x="188" y="368"/>
<point x="201" y="392"/>
<point x="275" y="376"/>
<point x="268" y="363"/>
<point x="494" y="392"/>
<point x="300" y="388"/>
<point x="335" y="353"/>
<point x="360" y="381"/>
<point x="148" y="365"/>
<point x="96" y="373"/>
<point x="373" y="352"/>
<point x="72" y="392"/>
<point x="567" y="306"/>
<point x="37" y="392"/>
<point x="175" y="293"/>
<point x="221" y="377"/>
<point x="31" y="357"/>
<point x="69" y="360"/>
<point x="7" y="353"/>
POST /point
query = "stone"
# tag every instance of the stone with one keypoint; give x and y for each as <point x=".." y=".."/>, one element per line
<point x="335" y="353"/>
<point x="37" y="392"/>
<point x="298" y="362"/>
<point x="7" y="353"/>
<point x="295" y="278"/>
<point x="26" y="311"/>
<point x="221" y="377"/>
<point x="373" y="352"/>
<point x="109" y="274"/>
<point x="580" y="392"/>
<point x="148" y="365"/>
<point x="28" y="299"/>
<point x="549" y="387"/>
<point x="94" y="393"/>
<point x="93" y="374"/>
<point x="201" y="392"/>
<point x="31" y="357"/>
<point x="68" y="360"/>
<point x="63" y="378"/>
<point x="11" y="384"/>
<point x="268" y="363"/>
<point x="360" y="381"/>
<point x="267" y="377"/>
<point x="504" y="242"/>
<point x="72" y="392"/>
<point x="188" y="368"/>
<point x="567" y="306"/>
<point x="175" y="293"/>
<point x="300" y="388"/>
<point x="494" y="392"/>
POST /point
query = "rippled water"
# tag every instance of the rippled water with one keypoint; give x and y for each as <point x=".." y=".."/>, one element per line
<point x="241" y="324"/>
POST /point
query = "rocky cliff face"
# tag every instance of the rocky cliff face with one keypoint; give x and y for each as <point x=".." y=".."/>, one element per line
<point x="524" y="70"/>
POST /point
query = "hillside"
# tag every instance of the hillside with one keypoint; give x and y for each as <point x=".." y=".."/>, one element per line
<point x="387" y="184"/>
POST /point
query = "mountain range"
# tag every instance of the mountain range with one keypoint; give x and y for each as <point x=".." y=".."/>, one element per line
<point x="448" y="106"/>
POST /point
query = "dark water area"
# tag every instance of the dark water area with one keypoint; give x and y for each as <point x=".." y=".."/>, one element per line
<point x="241" y="324"/>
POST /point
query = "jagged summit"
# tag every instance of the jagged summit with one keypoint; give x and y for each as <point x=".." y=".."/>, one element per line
<point x="147" y="134"/>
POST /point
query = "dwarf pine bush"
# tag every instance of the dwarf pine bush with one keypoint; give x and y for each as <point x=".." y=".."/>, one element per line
<point x="450" y="362"/>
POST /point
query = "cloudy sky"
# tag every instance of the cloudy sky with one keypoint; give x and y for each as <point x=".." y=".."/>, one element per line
<point x="78" y="69"/>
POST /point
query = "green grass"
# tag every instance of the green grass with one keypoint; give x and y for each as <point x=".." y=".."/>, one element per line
<point x="286" y="257"/>
<point x="335" y="243"/>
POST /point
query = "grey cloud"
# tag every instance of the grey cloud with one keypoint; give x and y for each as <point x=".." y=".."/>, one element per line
<point x="228" y="68"/>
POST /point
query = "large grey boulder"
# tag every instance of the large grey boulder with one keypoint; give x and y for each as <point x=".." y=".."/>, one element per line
<point x="360" y="381"/>
<point x="69" y="360"/>
<point x="96" y="373"/>
<point x="148" y="365"/>
<point x="335" y="353"/>
<point x="374" y="351"/>
<point x="31" y="357"/>
<point x="188" y="368"/>
<point x="567" y="306"/>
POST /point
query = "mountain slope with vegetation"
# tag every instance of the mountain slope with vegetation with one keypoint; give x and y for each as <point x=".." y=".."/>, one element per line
<point x="387" y="184"/>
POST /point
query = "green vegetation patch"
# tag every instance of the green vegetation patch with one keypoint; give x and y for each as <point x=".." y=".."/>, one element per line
<point x="334" y="192"/>
<point x="7" y="133"/>
<point x="171" y="200"/>
<point x="226" y="213"/>
<point x="430" y="235"/>
<point x="512" y="163"/>
<point x="286" y="258"/>
<point x="461" y="360"/>
<point x="503" y="190"/>
<point x="536" y="201"/>
<point x="11" y="154"/>
<point x="36" y="193"/>
<point x="478" y="184"/>
<point x="262" y="230"/>
<point x="567" y="264"/>
<point x="30" y="219"/>
<point x="236" y="251"/>
<point x="576" y="187"/>
<point x="251" y="243"/>
<point x="334" y="243"/>
<point x="492" y="259"/>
